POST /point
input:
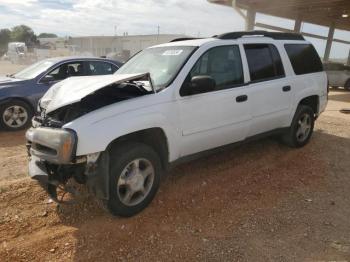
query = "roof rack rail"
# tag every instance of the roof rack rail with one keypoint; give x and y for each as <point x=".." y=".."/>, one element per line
<point x="184" y="39"/>
<point x="274" y="35"/>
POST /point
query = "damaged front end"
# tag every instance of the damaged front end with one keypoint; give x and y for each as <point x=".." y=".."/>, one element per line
<point x="52" y="162"/>
<point x="51" y="158"/>
<point x="52" y="147"/>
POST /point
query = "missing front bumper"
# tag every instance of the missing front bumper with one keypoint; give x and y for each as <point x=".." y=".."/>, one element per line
<point x="38" y="171"/>
<point x="95" y="175"/>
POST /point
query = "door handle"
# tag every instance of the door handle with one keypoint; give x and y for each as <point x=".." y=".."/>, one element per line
<point x="241" y="98"/>
<point x="286" y="88"/>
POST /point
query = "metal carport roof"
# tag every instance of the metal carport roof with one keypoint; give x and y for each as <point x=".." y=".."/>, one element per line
<point x="334" y="14"/>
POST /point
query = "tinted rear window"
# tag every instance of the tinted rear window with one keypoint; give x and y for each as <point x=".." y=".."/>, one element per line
<point x="264" y="62"/>
<point x="304" y="58"/>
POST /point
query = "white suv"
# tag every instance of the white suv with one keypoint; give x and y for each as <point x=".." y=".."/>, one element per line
<point x="119" y="133"/>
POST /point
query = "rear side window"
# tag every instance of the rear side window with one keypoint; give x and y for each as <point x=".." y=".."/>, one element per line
<point x="101" y="68"/>
<point x="304" y="58"/>
<point x="264" y="62"/>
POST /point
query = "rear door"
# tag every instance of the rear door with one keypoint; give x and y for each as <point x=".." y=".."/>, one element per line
<point x="220" y="116"/>
<point x="270" y="96"/>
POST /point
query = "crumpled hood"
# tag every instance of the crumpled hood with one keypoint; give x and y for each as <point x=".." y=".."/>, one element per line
<point x="74" y="89"/>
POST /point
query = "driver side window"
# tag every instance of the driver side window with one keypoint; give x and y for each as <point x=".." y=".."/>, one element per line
<point x="223" y="64"/>
<point x="67" y="70"/>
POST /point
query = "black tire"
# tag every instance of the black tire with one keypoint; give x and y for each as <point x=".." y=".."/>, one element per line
<point x="291" y="136"/>
<point x="25" y="107"/>
<point x="347" y="85"/>
<point x="120" y="158"/>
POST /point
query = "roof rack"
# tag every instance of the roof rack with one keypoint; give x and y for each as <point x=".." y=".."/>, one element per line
<point x="274" y="35"/>
<point x="184" y="39"/>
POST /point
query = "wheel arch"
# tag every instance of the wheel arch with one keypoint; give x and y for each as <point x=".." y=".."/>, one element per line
<point x="313" y="101"/>
<point x="24" y="100"/>
<point x="154" y="137"/>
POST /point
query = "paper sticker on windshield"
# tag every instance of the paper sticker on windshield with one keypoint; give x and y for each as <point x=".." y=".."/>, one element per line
<point x="172" y="52"/>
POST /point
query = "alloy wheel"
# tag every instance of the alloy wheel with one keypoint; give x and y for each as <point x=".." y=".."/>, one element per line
<point x="15" y="116"/>
<point x="304" y="127"/>
<point x="135" y="182"/>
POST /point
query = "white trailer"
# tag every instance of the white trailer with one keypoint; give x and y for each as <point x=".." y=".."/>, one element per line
<point x="16" y="52"/>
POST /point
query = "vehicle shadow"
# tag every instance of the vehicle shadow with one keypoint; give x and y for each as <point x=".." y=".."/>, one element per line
<point x="230" y="200"/>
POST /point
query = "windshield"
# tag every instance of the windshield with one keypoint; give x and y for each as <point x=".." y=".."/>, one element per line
<point x="34" y="70"/>
<point x="163" y="63"/>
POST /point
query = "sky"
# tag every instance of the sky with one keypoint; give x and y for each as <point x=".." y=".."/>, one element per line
<point x="103" y="17"/>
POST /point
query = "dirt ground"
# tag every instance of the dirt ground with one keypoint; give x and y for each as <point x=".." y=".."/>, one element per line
<point x="259" y="202"/>
<point x="8" y="68"/>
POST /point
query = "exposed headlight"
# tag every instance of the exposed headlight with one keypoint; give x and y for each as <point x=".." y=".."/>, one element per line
<point x="53" y="145"/>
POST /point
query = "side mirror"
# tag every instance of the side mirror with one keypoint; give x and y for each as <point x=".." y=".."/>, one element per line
<point x="47" y="79"/>
<point x="202" y="84"/>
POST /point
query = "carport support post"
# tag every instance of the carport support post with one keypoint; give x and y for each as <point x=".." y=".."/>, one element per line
<point x="297" y="26"/>
<point x="329" y="42"/>
<point x="250" y="20"/>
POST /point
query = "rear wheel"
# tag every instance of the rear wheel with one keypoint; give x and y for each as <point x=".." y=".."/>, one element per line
<point x="15" y="115"/>
<point x="135" y="174"/>
<point x="301" y="128"/>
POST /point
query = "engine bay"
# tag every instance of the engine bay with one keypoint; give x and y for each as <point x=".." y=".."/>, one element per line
<point x="103" y="97"/>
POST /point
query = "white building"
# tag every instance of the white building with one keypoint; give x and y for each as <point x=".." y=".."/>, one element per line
<point x="122" y="46"/>
<point x="53" y="42"/>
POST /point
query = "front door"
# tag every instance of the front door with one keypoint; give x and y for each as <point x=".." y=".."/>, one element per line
<point x="220" y="116"/>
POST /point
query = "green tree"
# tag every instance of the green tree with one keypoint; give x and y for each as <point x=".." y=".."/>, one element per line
<point x="5" y="36"/>
<point x="47" y="35"/>
<point x="23" y="33"/>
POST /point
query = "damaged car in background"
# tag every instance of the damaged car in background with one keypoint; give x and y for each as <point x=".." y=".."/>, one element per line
<point x="119" y="133"/>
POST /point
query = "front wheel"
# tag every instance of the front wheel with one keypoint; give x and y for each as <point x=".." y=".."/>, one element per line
<point x="301" y="129"/>
<point x="135" y="173"/>
<point x="15" y="115"/>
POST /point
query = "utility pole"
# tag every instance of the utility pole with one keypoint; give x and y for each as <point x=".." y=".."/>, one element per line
<point x="158" y="29"/>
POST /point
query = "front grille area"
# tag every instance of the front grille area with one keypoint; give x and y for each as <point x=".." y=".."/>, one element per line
<point x="47" y="122"/>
